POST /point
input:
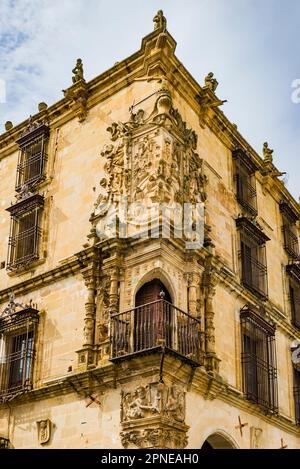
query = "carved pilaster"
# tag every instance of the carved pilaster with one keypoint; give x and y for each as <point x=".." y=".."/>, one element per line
<point x="209" y="287"/>
<point x="91" y="264"/>
<point x="114" y="291"/>
<point x="153" y="416"/>
<point x="193" y="280"/>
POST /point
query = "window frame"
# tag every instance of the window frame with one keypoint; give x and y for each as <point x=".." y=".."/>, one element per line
<point x="32" y="162"/>
<point x="31" y="238"/>
<point x="262" y="362"/>
<point x="253" y="259"/>
<point x="245" y="181"/>
<point x="22" y="327"/>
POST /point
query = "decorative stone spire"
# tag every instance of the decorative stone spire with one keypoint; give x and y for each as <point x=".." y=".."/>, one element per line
<point x="78" y="72"/>
<point x="211" y="82"/>
<point x="267" y="152"/>
<point x="160" y="21"/>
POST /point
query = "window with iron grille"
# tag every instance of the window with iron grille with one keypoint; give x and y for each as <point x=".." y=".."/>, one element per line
<point x="259" y="360"/>
<point x="17" y="352"/>
<point x="289" y="230"/>
<point x="252" y="256"/>
<point x="25" y="232"/>
<point x="32" y="156"/>
<point x="293" y="271"/>
<point x="245" y="181"/>
<point x="4" y="443"/>
<point x="297" y="395"/>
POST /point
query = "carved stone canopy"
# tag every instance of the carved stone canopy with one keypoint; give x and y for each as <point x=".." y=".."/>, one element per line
<point x="151" y="159"/>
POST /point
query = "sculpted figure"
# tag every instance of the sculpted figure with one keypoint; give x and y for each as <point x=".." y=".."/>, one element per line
<point x="267" y="152"/>
<point x="211" y="82"/>
<point x="78" y="71"/>
<point x="139" y="406"/>
<point x="159" y="21"/>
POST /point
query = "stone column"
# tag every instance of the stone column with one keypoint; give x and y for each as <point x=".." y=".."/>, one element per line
<point x="113" y="292"/>
<point x="209" y="283"/>
<point x="87" y="356"/>
<point x="193" y="300"/>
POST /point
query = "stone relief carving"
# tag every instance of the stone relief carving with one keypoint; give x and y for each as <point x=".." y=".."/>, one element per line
<point x="151" y="158"/>
<point x="154" y="399"/>
<point x="44" y="431"/>
<point x="255" y="437"/>
<point x="154" y="438"/>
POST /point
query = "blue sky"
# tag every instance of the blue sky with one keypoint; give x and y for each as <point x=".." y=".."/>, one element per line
<point x="252" y="46"/>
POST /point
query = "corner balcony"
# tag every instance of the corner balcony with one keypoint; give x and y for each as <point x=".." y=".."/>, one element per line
<point x="155" y="327"/>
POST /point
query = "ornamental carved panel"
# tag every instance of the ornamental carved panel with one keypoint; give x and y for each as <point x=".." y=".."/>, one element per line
<point x="151" y="158"/>
<point x="152" y="416"/>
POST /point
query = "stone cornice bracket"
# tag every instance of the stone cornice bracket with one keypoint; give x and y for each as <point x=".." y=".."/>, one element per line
<point x="77" y="96"/>
<point x="209" y="282"/>
<point x="208" y="101"/>
<point x="90" y="260"/>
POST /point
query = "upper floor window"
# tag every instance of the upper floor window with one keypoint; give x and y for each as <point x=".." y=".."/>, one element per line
<point x="245" y="181"/>
<point x="259" y="360"/>
<point x="289" y="229"/>
<point x="17" y="349"/>
<point x="253" y="264"/>
<point x="293" y="271"/>
<point x="297" y="395"/>
<point x="25" y="231"/>
<point x="32" y="155"/>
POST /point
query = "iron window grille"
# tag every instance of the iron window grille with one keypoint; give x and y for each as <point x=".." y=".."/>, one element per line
<point x="25" y="232"/>
<point x="289" y="230"/>
<point x="293" y="271"/>
<point x="4" y="443"/>
<point x="32" y="156"/>
<point x="17" y="352"/>
<point x="252" y="255"/>
<point x="259" y="360"/>
<point x="245" y="181"/>
<point x="297" y="395"/>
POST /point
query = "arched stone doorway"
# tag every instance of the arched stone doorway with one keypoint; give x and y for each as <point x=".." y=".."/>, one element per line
<point x="217" y="441"/>
<point x="152" y="318"/>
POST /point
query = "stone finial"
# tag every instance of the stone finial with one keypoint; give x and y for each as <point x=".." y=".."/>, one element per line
<point x="8" y="125"/>
<point x="160" y="21"/>
<point x="211" y="82"/>
<point x="42" y="106"/>
<point x="78" y="72"/>
<point x="267" y="152"/>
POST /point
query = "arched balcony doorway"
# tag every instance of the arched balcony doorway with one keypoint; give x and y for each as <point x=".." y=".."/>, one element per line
<point x="155" y="323"/>
<point x="152" y="317"/>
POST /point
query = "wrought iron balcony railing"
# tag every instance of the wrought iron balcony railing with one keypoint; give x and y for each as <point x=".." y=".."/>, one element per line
<point x="151" y="327"/>
<point x="297" y="404"/>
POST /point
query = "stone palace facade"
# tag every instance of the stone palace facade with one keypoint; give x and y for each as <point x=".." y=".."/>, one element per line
<point x="120" y="330"/>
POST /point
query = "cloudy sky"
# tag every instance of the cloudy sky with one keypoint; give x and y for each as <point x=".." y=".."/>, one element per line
<point x="252" y="46"/>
